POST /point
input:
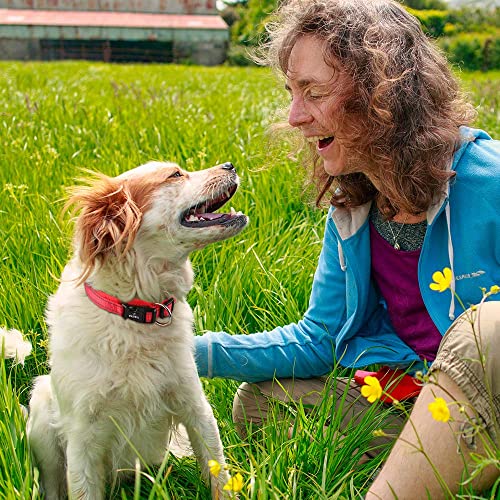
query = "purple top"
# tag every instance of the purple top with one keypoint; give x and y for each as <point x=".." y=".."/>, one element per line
<point x="395" y="273"/>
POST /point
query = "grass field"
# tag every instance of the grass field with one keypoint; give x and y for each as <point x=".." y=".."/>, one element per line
<point x="56" y="119"/>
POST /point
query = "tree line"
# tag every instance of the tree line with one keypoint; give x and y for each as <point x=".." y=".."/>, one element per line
<point x="470" y="34"/>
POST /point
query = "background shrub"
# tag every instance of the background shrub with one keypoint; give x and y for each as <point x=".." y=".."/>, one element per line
<point x="468" y="35"/>
<point x="433" y="21"/>
<point x="473" y="51"/>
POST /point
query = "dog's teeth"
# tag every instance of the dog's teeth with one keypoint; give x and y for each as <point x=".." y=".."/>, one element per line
<point x="233" y="211"/>
<point x="228" y="194"/>
<point x="192" y="218"/>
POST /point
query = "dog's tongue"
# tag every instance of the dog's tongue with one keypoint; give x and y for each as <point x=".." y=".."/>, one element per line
<point x="210" y="216"/>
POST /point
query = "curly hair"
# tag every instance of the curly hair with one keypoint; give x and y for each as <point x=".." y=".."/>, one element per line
<point x="402" y="113"/>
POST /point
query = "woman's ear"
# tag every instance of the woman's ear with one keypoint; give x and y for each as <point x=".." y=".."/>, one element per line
<point x="107" y="220"/>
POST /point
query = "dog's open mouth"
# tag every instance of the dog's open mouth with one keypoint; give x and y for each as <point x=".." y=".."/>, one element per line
<point x="203" y="214"/>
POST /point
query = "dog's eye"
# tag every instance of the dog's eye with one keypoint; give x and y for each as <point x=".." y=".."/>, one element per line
<point x="175" y="174"/>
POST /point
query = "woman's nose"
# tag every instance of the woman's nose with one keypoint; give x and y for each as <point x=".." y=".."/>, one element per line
<point x="298" y="114"/>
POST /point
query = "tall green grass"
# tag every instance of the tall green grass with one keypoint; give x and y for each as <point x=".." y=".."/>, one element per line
<point x="57" y="118"/>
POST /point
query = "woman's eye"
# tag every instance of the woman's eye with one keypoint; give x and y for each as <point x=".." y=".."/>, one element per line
<point x="314" y="97"/>
<point x="175" y="174"/>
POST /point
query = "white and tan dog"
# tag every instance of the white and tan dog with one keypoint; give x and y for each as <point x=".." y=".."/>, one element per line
<point x="121" y="351"/>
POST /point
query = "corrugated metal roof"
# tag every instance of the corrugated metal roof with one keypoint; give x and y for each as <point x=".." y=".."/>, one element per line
<point x="23" y="17"/>
<point x="154" y="6"/>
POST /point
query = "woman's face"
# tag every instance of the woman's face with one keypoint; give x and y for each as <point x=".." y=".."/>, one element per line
<point x="315" y="89"/>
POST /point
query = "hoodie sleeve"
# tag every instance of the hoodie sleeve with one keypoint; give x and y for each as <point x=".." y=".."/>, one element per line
<point x="304" y="349"/>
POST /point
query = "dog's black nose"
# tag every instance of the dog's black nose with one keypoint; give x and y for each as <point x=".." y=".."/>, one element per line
<point x="227" y="166"/>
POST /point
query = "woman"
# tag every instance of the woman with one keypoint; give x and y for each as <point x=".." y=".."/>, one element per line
<point x="412" y="191"/>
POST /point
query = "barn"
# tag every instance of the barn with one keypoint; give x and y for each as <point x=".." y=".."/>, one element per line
<point x="113" y="30"/>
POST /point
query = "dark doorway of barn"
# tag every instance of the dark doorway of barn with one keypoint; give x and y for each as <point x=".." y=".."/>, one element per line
<point x="107" y="50"/>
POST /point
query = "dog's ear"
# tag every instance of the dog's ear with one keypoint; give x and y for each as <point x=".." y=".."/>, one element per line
<point x="107" y="220"/>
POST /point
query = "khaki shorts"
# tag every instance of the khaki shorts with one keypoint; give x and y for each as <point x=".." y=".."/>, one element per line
<point x="477" y="376"/>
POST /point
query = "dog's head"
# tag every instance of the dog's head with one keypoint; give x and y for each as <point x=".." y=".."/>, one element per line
<point x="157" y="209"/>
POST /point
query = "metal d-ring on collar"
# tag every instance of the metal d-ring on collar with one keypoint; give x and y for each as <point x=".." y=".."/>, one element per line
<point x="168" y="317"/>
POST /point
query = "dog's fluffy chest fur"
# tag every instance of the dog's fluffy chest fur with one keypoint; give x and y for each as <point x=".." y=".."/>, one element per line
<point x="121" y="362"/>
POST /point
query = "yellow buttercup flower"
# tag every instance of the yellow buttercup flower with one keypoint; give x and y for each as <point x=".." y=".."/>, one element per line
<point x="442" y="280"/>
<point x="235" y="483"/>
<point x="494" y="289"/>
<point x="439" y="410"/>
<point x="214" y="467"/>
<point x="372" y="390"/>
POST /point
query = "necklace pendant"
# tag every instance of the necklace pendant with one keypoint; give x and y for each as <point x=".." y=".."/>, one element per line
<point x="396" y="245"/>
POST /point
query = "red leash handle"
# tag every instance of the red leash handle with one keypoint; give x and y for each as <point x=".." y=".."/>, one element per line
<point x="396" y="384"/>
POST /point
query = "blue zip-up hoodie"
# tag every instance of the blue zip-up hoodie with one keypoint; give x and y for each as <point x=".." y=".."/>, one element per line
<point x="347" y="321"/>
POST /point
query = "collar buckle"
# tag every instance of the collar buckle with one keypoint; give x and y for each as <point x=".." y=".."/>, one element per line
<point x="139" y="314"/>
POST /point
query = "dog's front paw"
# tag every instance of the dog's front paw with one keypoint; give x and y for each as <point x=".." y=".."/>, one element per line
<point x="225" y="487"/>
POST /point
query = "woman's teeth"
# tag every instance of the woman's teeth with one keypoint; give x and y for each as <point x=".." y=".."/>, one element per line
<point x="321" y="141"/>
<point x="316" y="138"/>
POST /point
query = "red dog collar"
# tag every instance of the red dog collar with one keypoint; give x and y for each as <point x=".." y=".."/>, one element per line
<point x="135" y="310"/>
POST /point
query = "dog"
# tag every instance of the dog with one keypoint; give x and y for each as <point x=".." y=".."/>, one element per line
<point x="122" y="369"/>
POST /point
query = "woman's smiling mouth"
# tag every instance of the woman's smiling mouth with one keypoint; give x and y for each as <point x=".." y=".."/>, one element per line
<point x="322" y="141"/>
